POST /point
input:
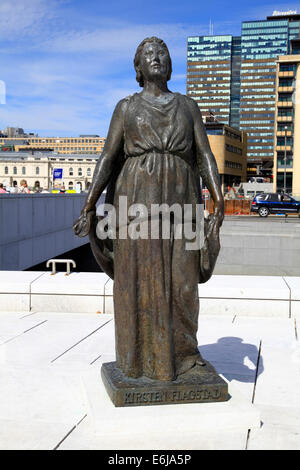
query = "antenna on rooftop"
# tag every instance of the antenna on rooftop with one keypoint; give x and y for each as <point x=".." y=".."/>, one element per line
<point x="211" y="28"/>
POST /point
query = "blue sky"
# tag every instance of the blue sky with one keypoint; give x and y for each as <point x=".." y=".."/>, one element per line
<point x="66" y="63"/>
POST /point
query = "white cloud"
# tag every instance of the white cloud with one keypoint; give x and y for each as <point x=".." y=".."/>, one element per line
<point x="65" y="77"/>
<point x="21" y="17"/>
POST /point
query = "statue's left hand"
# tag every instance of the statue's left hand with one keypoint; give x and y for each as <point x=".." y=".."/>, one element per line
<point x="211" y="247"/>
<point x="219" y="213"/>
<point x="214" y="223"/>
<point x="82" y="225"/>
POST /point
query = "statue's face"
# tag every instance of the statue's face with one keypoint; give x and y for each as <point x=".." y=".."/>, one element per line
<point x="154" y="62"/>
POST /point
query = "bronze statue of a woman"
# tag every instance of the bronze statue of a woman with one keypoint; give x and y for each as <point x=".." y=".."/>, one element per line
<point x="155" y="151"/>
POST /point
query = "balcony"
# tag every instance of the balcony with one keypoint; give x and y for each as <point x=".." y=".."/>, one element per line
<point x="285" y="89"/>
<point x="284" y="118"/>
<point x="284" y="133"/>
<point x="289" y="73"/>
<point x="284" y="104"/>
<point x="282" y="148"/>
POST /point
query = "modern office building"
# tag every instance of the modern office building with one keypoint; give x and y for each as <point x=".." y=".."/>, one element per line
<point x="209" y="73"/>
<point x="235" y="77"/>
<point x="229" y="146"/>
<point x="287" y="121"/>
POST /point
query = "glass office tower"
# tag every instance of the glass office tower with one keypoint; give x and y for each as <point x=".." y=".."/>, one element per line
<point x="209" y="73"/>
<point x="262" y="43"/>
<point x="249" y="80"/>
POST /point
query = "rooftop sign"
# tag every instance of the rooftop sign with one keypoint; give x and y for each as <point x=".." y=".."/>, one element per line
<point x="284" y="13"/>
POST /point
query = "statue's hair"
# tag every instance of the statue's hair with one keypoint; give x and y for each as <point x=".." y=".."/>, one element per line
<point x="139" y="75"/>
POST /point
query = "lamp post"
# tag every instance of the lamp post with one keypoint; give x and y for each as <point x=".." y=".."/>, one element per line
<point x="284" y="176"/>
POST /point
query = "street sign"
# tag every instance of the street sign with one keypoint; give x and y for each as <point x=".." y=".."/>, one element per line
<point x="57" y="173"/>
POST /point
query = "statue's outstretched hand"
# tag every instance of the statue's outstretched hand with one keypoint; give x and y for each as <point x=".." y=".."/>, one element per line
<point x="82" y="225"/>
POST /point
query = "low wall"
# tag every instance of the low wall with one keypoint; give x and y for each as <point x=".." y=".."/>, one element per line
<point x="264" y="296"/>
<point x="37" y="227"/>
<point x="259" y="247"/>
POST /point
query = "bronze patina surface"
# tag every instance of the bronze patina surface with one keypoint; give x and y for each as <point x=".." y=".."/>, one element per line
<point x="201" y="384"/>
<point x="155" y="153"/>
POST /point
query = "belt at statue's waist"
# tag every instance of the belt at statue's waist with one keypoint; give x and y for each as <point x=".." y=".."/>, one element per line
<point x="185" y="158"/>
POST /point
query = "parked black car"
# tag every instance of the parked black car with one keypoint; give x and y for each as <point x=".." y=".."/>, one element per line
<point x="275" y="203"/>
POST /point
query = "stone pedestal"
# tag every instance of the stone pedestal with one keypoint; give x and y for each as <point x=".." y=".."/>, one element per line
<point x="201" y="384"/>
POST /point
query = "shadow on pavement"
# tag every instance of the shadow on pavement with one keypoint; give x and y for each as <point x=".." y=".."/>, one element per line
<point x="233" y="358"/>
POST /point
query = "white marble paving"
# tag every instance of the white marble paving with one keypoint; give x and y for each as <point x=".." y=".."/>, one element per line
<point x="245" y="307"/>
<point x="14" y="302"/>
<point x="50" y="361"/>
<point x="245" y="287"/>
<point x="67" y="303"/>
<point x="43" y="344"/>
<point x="267" y="296"/>
<point x="279" y="430"/>
<point x="15" y="287"/>
<point x="90" y="284"/>
<point x="294" y="285"/>
<point x="190" y="426"/>
<point x="17" y="282"/>
<point x="295" y="309"/>
<point x="231" y="350"/>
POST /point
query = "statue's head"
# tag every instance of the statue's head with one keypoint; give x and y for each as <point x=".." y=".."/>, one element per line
<point x="152" y="49"/>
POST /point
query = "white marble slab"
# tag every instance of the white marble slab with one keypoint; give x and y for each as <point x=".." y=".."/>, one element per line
<point x="190" y="426"/>
<point x="38" y="406"/>
<point x="15" y="290"/>
<point x="41" y="402"/>
<point x="13" y="324"/>
<point x="279" y="431"/>
<point x="109" y="299"/>
<point x="32" y="435"/>
<point x="109" y="287"/>
<point x="254" y="307"/>
<point x="295" y="309"/>
<point x="74" y="284"/>
<point x="17" y="282"/>
<point x="233" y="351"/>
<point x="94" y="348"/>
<point x="294" y="285"/>
<point x="56" y="336"/>
<point x="67" y="303"/>
<point x="244" y="287"/>
<point x="84" y="438"/>
<point x="14" y="302"/>
<point x="279" y="384"/>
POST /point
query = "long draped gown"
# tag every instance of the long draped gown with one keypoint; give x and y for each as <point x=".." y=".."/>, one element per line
<point x="156" y="280"/>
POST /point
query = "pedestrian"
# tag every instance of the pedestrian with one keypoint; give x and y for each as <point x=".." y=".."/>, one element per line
<point x="23" y="187"/>
<point x="14" y="188"/>
<point x="2" y="190"/>
<point x="37" y="187"/>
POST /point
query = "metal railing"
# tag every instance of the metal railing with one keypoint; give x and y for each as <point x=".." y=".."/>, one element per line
<point x="55" y="261"/>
